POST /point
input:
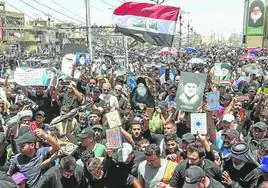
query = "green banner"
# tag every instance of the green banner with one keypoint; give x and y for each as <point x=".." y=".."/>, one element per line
<point x="255" y="24"/>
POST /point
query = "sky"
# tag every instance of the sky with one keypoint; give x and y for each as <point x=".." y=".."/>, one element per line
<point x="221" y="17"/>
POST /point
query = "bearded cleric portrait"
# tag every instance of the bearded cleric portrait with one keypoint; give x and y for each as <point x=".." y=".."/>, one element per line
<point x="256" y="13"/>
<point x="141" y="97"/>
<point x="190" y="91"/>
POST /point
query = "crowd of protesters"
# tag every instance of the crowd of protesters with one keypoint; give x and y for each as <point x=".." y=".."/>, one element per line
<point x="158" y="150"/>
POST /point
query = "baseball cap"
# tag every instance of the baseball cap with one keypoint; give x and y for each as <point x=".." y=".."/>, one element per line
<point x="18" y="178"/>
<point x="231" y="133"/>
<point x="260" y="125"/>
<point x="123" y="153"/>
<point x="188" y="137"/>
<point x="193" y="175"/>
<point x="41" y="113"/>
<point x="264" y="164"/>
<point x="85" y="133"/>
<point x="98" y="126"/>
<point x="228" y="117"/>
<point x="26" y="138"/>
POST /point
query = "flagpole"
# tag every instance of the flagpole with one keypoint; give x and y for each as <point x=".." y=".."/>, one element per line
<point x="126" y="48"/>
<point x="88" y="19"/>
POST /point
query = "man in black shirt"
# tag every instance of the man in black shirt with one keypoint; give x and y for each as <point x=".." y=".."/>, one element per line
<point x="196" y="177"/>
<point x="3" y="154"/>
<point x="118" y="166"/>
<point x="195" y="156"/>
<point x="67" y="174"/>
<point x="45" y="103"/>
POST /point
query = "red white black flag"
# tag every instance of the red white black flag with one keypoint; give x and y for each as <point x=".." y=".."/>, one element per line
<point x="147" y="22"/>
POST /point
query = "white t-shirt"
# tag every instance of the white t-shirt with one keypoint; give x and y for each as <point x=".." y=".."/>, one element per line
<point x="151" y="176"/>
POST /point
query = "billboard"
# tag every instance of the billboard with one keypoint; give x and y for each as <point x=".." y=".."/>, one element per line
<point x="256" y="14"/>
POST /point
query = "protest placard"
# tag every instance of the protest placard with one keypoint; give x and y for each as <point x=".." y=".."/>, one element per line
<point x="221" y="73"/>
<point x="213" y="101"/>
<point x="36" y="77"/>
<point x="198" y="123"/>
<point x="113" y="119"/>
<point x="190" y="91"/>
<point x="29" y="76"/>
<point x="114" y="138"/>
<point x="82" y="59"/>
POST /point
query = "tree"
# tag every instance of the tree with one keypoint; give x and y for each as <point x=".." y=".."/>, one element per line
<point x="235" y="39"/>
<point x="158" y="2"/>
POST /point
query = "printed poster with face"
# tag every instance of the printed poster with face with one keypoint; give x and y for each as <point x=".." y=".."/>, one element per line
<point x="82" y="59"/>
<point x="256" y="17"/>
<point x="166" y="74"/>
<point x="36" y="77"/>
<point x="68" y="63"/>
<point x="198" y="123"/>
<point x="221" y="73"/>
<point x="190" y="91"/>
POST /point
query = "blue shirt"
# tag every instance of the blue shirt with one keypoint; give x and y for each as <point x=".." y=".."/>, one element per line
<point x="30" y="167"/>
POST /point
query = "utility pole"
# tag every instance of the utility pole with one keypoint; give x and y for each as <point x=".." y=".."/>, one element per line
<point x="188" y="33"/>
<point x="245" y="21"/>
<point x="88" y="19"/>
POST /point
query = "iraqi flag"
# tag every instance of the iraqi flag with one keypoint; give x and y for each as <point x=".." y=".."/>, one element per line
<point x="147" y="22"/>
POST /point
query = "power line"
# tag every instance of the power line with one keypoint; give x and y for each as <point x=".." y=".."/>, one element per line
<point x="41" y="11"/>
<point x="107" y="3"/>
<point x="103" y="12"/>
<point x="70" y="11"/>
<point x="58" y="12"/>
<point x="19" y="10"/>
